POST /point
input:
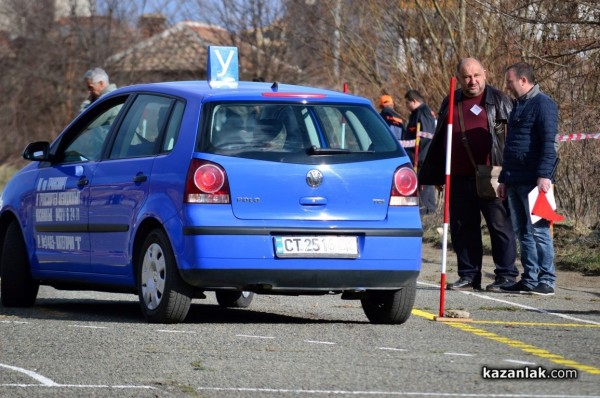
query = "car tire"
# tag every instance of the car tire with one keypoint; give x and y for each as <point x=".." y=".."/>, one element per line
<point x="164" y="296"/>
<point x="17" y="287"/>
<point x="390" y="307"/>
<point x="234" y="299"/>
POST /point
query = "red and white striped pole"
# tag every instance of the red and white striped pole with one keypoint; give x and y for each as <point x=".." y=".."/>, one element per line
<point x="447" y="195"/>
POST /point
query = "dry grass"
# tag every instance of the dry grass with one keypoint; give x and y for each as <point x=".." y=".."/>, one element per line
<point x="575" y="249"/>
<point x="6" y="172"/>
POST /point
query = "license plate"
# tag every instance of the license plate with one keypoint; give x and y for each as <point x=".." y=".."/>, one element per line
<point x="316" y="246"/>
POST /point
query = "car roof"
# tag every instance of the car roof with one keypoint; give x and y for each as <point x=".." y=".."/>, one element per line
<point x="245" y="91"/>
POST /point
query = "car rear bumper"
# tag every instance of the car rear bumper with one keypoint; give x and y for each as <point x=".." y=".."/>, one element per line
<point x="298" y="281"/>
<point x="211" y="259"/>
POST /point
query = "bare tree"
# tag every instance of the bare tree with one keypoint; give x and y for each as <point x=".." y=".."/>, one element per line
<point x="375" y="46"/>
<point x="41" y="74"/>
<point x="561" y="39"/>
<point x="416" y="45"/>
<point x="255" y="26"/>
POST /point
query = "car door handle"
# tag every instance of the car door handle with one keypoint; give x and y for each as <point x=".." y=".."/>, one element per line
<point x="83" y="181"/>
<point x="140" y="178"/>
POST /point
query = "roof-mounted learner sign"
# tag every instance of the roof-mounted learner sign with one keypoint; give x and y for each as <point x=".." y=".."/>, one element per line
<point x="222" y="68"/>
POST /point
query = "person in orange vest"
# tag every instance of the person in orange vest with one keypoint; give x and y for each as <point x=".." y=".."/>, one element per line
<point x="391" y="117"/>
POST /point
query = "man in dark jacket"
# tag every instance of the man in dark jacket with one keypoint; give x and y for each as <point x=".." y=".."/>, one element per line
<point x="421" y="119"/>
<point x="529" y="161"/>
<point x="485" y="113"/>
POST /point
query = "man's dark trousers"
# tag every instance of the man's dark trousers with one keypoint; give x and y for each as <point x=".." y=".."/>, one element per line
<point x="465" y="230"/>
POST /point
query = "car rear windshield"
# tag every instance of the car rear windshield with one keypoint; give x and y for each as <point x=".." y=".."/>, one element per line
<point x="259" y="130"/>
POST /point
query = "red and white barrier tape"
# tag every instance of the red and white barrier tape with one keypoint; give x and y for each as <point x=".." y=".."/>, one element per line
<point x="580" y="136"/>
<point x="413" y="143"/>
<point x="562" y="138"/>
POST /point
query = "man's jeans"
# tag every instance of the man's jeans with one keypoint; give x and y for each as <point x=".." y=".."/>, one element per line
<point x="535" y="241"/>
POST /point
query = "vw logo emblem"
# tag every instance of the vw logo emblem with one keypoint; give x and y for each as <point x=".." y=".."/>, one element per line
<point x="314" y="178"/>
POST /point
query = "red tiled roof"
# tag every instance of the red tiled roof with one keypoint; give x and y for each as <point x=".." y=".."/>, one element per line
<point x="180" y="48"/>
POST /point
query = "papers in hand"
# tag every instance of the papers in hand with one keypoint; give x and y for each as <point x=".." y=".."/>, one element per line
<point x="543" y="205"/>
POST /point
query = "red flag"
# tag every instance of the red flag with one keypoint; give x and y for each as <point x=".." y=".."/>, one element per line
<point x="542" y="208"/>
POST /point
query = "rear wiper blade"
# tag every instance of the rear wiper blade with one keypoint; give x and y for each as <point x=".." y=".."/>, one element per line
<point x="313" y="150"/>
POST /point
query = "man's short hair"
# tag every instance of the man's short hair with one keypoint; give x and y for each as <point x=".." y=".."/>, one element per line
<point x="414" y="95"/>
<point x="523" y="69"/>
<point x="96" y="75"/>
<point x="465" y="60"/>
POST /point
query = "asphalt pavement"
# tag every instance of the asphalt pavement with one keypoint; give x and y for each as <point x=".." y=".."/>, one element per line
<point x="75" y="344"/>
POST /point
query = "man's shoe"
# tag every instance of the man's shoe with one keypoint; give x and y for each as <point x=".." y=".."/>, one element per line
<point x="464" y="284"/>
<point x="518" y="287"/>
<point x="542" y="289"/>
<point x="499" y="283"/>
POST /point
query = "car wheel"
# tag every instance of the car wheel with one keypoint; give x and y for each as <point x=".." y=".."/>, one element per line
<point x="164" y="296"/>
<point x="390" y="307"/>
<point x="235" y="299"/>
<point x="17" y="287"/>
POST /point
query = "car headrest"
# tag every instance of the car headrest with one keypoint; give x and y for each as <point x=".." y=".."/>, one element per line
<point x="269" y="128"/>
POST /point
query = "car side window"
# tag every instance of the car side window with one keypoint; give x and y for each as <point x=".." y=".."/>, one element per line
<point x="172" y="132"/>
<point x="139" y="133"/>
<point x="88" y="144"/>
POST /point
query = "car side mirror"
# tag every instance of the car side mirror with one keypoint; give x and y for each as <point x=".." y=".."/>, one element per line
<point x="39" y="151"/>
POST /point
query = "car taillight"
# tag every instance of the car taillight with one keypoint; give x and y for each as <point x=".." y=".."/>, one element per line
<point x="404" y="189"/>
<point x="206" y="183"/>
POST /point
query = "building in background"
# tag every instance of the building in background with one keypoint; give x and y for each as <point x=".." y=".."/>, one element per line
<point x="14" y="12"/>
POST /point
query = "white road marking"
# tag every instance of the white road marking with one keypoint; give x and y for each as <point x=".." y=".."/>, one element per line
<point x="81" y="386"/>
<point x="391" y="349"/>
<point x="520" y="362"/>
<point x="176" y="331"/>
<point x="527" y="307"/>
<point x="42" y="379"/>
<point x="254" y="337"/>
<point x="88" y="326"/>
<point x="46" y="382"/>
<point x="459" y="354"/>
<point x="319" y="342"/>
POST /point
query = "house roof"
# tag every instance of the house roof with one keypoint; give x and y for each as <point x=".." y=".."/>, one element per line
<point x="182" y="47"/>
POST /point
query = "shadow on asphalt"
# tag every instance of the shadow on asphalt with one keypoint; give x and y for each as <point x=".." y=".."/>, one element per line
<point x="90" y="310"/>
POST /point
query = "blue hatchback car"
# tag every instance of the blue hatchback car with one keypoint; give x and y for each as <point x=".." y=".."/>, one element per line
<point x="173" y="190"/>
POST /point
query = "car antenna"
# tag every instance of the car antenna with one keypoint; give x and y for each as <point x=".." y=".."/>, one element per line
<point x="275" y="86"/>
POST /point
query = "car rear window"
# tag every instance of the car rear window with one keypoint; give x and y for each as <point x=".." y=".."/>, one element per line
<point x="259" y="130"/>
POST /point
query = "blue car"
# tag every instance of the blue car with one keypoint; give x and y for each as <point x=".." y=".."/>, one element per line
<point x="172" y="190"/>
